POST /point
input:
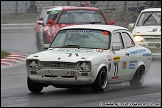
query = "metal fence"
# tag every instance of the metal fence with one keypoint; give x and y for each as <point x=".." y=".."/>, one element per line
<point x="123" y="12"/>
<point x="8" y="7"/>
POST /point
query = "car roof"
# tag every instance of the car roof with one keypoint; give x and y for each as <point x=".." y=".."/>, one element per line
<point x="110" y="28"/>
<point x="60" y="7"/>
<point x="90" y="8"/>
<point x="151" y="9"/>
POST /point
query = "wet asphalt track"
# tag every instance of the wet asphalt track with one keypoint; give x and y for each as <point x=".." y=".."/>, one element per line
<point x="14" y="92"/>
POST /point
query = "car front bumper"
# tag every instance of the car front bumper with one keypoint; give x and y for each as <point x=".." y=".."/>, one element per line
<point x="60" y="77"/>
<point x="155" y="47"/>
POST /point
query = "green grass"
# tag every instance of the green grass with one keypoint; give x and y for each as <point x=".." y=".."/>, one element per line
<point x="20" y="18"/>
<point x="4" y="54"/>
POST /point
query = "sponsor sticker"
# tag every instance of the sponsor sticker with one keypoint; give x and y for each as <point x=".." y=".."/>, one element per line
<point x="116" y="58"/>
<point x="109" y="58"/>
<point x="132" y="64"/>
<point x="124" y="65"/>
<point x="147" y="54"/>
<point x="137" y="51"/>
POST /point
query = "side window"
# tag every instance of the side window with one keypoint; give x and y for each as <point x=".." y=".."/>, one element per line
<point x="117" y="41"/>
<point x="127" y="40"/>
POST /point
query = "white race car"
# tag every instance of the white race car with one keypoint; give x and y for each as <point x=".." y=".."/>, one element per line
<point x="147" y="29"/>
<point x="89" y="56"/>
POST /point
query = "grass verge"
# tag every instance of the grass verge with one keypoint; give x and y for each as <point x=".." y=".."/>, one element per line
<point x="4" y="54"/>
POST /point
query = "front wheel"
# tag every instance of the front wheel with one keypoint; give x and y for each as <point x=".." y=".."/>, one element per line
<point x="100" y="83"/>
<point x="138" y="78"/>
<point x="34" y="86"/>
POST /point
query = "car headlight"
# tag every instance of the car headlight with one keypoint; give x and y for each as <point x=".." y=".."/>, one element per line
<point x="32" y="64"/>
<point x="139" y="38"/>
<point x="84" y="66"/>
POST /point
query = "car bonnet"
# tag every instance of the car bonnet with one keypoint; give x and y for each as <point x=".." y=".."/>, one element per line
<point x="67" y="54"/>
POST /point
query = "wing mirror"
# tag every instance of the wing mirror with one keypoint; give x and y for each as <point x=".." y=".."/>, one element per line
<point x="46" y="46"/>
<point x="111" y="22"/>
<point x="40" y="22"/>
<point x="131" y="25"/>
<point x="50" y="22"/>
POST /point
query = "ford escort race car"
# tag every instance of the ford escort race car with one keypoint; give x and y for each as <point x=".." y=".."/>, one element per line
<point x="147" y="29"/>
<point x="89" y="56"/>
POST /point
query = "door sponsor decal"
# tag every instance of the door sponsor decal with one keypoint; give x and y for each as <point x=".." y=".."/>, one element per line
<point x="132" y="64"/>
<point x="137" y="51"/>
<point x="124" y="65"/>
<point x="116" y="58"/>
<point x="147" y="54"/>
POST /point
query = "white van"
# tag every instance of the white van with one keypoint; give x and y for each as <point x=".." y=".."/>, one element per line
<point x="147" y="29"/>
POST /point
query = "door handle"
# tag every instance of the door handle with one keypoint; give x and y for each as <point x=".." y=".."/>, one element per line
<point x="127" y="54"/>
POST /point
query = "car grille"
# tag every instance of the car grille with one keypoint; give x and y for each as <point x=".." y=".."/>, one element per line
<point x="58" y="65"/>
<point x="156" y="38"/>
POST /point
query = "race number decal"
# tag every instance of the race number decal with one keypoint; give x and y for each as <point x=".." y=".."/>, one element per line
<point x="116" y="67"/>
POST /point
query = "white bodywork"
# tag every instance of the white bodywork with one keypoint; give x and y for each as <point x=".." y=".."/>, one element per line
<point x="151" y="34"/>
<point x="57" y="72"/>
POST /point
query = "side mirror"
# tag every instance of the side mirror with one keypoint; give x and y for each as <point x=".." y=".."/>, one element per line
<point x="111" y="22"/>
<point x="50" y="22"/>
<point x="131" y="25"/>
<point x="46" y="46"/>
<point x="40" y="22"/>
<point x="115" y="48"/>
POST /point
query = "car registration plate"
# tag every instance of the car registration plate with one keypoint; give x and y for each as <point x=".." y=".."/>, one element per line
<point x="157" y="45"/>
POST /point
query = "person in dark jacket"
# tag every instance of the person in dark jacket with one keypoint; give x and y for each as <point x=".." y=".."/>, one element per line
<point x="32" y="7"/>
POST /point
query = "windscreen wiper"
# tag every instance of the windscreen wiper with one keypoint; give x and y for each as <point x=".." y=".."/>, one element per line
<point x="147" y="18"/>
<point x="71" y="46"/>
<point x="95" y="22"/>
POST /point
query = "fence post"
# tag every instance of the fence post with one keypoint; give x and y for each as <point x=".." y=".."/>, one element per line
<point x="16" y="8"/>
<point x="108" y="5"/>
<point x="137" y="6"/>
<point x="68" y="3"/>
<point x="26" y="5"/>
<point x="53" y="3"/>
<point x="125" y="5"/>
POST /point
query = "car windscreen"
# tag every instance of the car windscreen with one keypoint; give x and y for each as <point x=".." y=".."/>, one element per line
<point x="151" y="18"/>
<point x="81" y="16"/>
<point x="51" y="15"/>
<point x="82" y="38"/>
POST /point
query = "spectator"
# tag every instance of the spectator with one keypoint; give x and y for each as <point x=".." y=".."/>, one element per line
<point x="84" y="4"/>
<point x="32" y="7"/>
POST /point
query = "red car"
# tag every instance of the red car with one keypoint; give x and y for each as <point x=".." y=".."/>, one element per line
<point x="72" y="16"/>
<point x="41" y="16"/>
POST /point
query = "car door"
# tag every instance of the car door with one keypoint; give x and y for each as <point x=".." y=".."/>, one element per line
<point x="121" y="58"/>
<point x="131" y="56"/>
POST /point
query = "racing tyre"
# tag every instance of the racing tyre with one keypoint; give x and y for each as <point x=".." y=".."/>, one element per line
<point x="138" y="77"/>
<point x="33" y="86"/>
<point x="100" y="83"/>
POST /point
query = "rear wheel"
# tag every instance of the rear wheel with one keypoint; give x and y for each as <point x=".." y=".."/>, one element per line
<point x="100" y="83"/>
<point x="138" y="77"/>
<point x="34" y="86"/>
